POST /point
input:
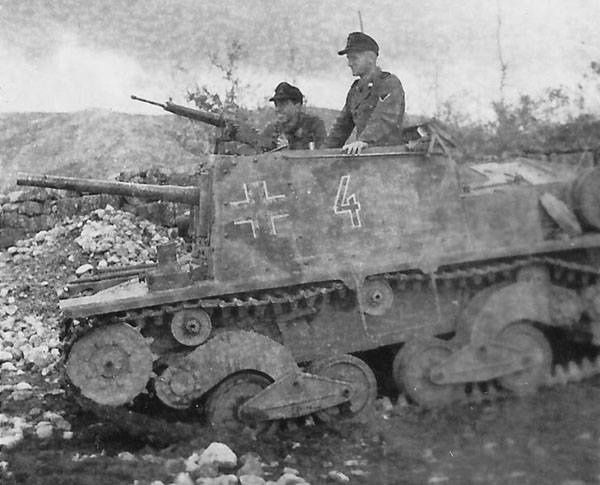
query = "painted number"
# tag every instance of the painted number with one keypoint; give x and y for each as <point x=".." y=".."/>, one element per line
<point x="345" y="203"/>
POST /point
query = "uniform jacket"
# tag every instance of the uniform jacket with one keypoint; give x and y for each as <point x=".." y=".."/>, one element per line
<point x="375" y="108"/>
<point x="307" y="129"/>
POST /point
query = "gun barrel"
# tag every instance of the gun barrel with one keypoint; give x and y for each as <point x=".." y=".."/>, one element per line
<point x="171" y="193"/>
<point x="196" y="114"/>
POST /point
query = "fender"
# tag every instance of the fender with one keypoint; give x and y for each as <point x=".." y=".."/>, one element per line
<point x="188" y="378"/>
<point x="525" y="300"/>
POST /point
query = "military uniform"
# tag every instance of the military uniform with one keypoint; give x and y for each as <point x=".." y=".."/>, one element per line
<point x="299" y="131"/>
<point x="298" y="136"/>
<point x="374" y="108"/>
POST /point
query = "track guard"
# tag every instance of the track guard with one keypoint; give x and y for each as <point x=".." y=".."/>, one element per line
<point x="189" y="378"/>
<point x="295" y="395"/>
<point x="532" y="301"/>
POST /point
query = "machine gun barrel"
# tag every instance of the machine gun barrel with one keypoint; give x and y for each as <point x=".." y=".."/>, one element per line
<point x="171" y="193"/>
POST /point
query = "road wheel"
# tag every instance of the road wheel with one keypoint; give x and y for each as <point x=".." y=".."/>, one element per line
<point x="411" y="369"/>
<point x="526" y="338"/>
<point x="225" y="401"/>
<point x="362" y="380"/>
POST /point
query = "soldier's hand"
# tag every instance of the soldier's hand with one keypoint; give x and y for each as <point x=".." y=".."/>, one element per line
<point x="355" y="148"/>
<point x="229" y="132"/>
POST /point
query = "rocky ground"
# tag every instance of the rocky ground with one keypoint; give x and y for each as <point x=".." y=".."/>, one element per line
<point x="553" y="437"/>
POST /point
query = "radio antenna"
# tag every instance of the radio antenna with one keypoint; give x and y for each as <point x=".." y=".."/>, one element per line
<point x="360" y="22"/>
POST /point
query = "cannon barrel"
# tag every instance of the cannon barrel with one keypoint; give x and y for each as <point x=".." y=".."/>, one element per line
<point x="171" y="193"/>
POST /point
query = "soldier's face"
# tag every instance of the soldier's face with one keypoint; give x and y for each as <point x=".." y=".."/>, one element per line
<point x="286" y="110"/>
<point x="359" y="63"/>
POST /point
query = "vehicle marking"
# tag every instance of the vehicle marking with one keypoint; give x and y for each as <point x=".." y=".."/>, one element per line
<point x="252" y="223"/>
<point x="273" y="218"/>
<point x="256" y="214"/>
<point x="271" y="197"/>
<point x="246" y="199"/>
<point x="347" y="203"/>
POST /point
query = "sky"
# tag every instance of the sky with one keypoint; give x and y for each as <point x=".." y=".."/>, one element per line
<point x="442" y="50"/>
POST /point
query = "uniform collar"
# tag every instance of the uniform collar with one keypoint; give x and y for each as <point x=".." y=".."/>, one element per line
<point x="370" y="79"/>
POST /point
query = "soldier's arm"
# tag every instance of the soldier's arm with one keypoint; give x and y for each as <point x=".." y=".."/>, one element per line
<point x="388" y="113"/>
<point x="341" y="129"/>
<point x="268" y="137"/>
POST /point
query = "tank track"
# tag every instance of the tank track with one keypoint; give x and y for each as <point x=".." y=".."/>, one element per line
<point x="293" y="303"/>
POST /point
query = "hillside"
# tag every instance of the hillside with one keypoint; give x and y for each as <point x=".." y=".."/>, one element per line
<point x="95" y="143"/>
<point x="98" y="143"/>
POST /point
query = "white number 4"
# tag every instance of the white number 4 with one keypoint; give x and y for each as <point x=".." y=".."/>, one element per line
<point x="347" y="203"/>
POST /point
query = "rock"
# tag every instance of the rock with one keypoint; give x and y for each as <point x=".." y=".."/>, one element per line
<point x="23" y="386"/>
<point x="338" y="477"/>
<point x="10" y="309"/>
<point x="183" y="478"/>
<point x="192" y="462"/>
<point x="11" y="440"/>
<point x="225" y="480"/>
<point x="291" y="471"/>
<point x="219" y="454"/>
<point x="5" y="356"/>
<point x="38" y="356"/>
<point x="437" y="478"/>
<point x="251" y="480"/>
<point x="386" y="404"/>
<point x="21" y="395"/>
<point x="291" y="479"/>
<point x="208" y="470"/>
<point x="252" y="465"/>
<point x="8" y="367"/>
<point x="157" y="482"/>
<point x="44" y="430"/>
<point x="126" y="456"/>
<point x="174" y="465"/>
<point x="67" y="435"/>
<point x="84" y="268"/>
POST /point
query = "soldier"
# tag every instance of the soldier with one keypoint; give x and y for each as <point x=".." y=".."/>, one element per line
<point x="293" y="128"/>
<point x="374" y="106"/>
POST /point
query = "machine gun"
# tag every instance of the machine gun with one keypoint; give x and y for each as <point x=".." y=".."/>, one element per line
<point x="230" y="129"/>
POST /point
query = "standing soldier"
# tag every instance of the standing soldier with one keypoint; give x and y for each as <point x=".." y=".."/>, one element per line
<point x="374" y="106"/>
<point x="293" y="128"/>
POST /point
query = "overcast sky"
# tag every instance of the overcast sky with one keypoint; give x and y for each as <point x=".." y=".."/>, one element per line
<point x="440" y="49"/>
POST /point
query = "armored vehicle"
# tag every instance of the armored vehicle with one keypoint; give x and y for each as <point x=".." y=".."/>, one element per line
<point x="304" y="260"/>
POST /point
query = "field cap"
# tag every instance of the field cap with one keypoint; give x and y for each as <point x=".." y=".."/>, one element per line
<point x="359" y="42"/>
<point x="285" y="91"/>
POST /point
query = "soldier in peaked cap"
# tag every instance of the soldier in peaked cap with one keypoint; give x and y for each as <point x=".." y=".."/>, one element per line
<point x="374" y="107"/>
<point x="293" y="128"/>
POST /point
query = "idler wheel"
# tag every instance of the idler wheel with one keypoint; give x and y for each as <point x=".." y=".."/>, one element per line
<point x="191" y="327"/>
<point x="376" y="297"/>
<point x="412" y="368"/>
<point x="110" y="365"/>
<point x="360" y="377"/>
<point x="538" y="355"/>
<point x="224" y="402"/>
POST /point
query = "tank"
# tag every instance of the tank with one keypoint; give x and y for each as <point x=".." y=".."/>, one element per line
<point x="304" y="263"/>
